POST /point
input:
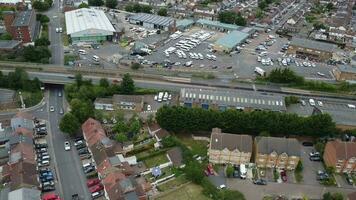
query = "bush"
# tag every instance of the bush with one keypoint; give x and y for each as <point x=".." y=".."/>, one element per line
<point x="284" y="75"/>
<point x="291" y="100"/>
<point x="136" y="66"/>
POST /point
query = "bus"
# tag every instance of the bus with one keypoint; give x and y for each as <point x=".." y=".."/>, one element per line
<point x="160" y="96"/>
<point x="260" y="71"/>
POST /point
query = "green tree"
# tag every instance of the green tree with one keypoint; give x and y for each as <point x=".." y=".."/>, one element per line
<point x="127" y="84"/>
<point x="5" y="36"/>
<point x="42" y="42"/>
<point x="104" y="83"/>
<point x="146" y="9"/>
<point x="135" y="127"/>
<point x="69" y="124"/>
<point x="121" y="137"/>
<point x="231" y="17"/>
<point x="44" y="19"/>
<point x="96" y="2"/>
<point x="229" y="170"/>
<point x="193" y="171"/>
<point x="78" y="79"/>
<point x="262" y="4"/>
<point x="83" y="5"/>
<point x="162" y="12"/>
<point x="40" y="6"/>
<point x="121" y="127"/>
<point x="111" y="3"/>
<point x="299" y="167"/>
<point x="81" y="110"/>
<point x="264" y="134"/>
<point x="38" y="54"/>
<point x="169" y="141"/>
<point x="259" y="13"/>
<point x="334" y="196"/>
<point x="329" y="7"/>
<point x="135" y="66"/>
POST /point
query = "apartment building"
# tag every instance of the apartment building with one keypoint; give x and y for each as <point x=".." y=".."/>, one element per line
<point x="275" y="152"/>
<point x="340" y="155"/>
<point x="21" y="25"/>
<point x="229" y="148"/>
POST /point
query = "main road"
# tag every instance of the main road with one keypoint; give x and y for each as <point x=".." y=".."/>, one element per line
<point x="67" y="164"/>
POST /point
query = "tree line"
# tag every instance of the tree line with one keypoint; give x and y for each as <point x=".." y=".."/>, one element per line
<point x="181" y="119"/>
<point x="81" y="95"/>
<point x="231" y="17"/>
<point x="19" y="80"/>
<point x="137" y="8"/>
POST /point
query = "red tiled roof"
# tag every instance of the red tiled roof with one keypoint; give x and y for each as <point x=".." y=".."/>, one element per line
<point x="27" y="152"/>
<point x="24" y="132"/>
<point x="23" y="174"/>
<point x="112" y="186"/>
<point x="344" y="150"/>
<point x="93" y="132"/>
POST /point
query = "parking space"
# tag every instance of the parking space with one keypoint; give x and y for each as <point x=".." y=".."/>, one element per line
<point x="310" y="168"/>
<point x="341" y="181"/>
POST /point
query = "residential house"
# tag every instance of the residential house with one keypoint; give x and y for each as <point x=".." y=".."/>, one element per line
<point x="103" y="104"/>
<point x="21" y="175"/>
<point x="25" y="194"/>
<point x="92" y="132"/>
<point x="229" y="148"/>
<point x="9" y="46"/>
<point x="22" y="152"/>
<point x="275" y="152"/>
<point x="345" y="73"/>
<point x="340" y="155"/>
<point x="175" y="157"/>
<point x="158" y="132"/>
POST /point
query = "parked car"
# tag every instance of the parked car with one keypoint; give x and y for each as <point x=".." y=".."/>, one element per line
<point x="96" y="195"/>
<point x="41" y="150"/>
<point x="66" y="146"/>
<point x="46" y="178"/>
<point x="314" y="153"/>
<point x="83" y="151"/>
<point x="50" y="196"/>
<point x="47" y="183"/>
<point x="93" y="182"/>
<point x="314" y="158"/>
<point x="39" y="146"/>
<point x="48" y="188"/>
<point x="321" y="175"/>
<point x="89" y="169"/>
<point x="96" y="188"/>
<point x="80" y="146"/>
<point x="260" y="182"/>
<point x="284" y="176"/>
<point x="44" y="170"/>
<point x="349" y="179"/>
<point x="43" y="163"/>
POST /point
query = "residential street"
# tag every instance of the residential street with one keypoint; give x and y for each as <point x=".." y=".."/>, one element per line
<point x="68" y="166"/>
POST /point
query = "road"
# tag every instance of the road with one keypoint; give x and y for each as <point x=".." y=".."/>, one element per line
<point x="55" y="15"/>
<point x="67" y="163"/>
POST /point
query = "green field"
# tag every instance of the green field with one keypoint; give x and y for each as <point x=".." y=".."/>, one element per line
<point x="190" y="191"/>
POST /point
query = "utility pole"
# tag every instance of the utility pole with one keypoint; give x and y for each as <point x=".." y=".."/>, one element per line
<point x="22" y="103"/>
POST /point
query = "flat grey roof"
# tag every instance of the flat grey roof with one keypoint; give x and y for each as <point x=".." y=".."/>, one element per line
<point x="312" y="44"/>
<point x="9" y="44"/>
<point x="238" y="99"/>
<point x="23" y="18"/>
<point x="152" y="19"/>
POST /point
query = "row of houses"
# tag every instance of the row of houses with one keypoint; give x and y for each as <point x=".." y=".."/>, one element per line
<point x="275" y="152"/>
<point x="18" y="167"/>
<point x="116" y="172"/>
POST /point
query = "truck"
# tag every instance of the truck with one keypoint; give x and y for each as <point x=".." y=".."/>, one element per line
<point x="243" y="171"/>
<point x="260" y="71"/>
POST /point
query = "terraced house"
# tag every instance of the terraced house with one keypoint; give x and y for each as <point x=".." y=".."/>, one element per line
<point x="229" y="148"/>
<point x="341" y="156"/>
<point x="274" y="152"/>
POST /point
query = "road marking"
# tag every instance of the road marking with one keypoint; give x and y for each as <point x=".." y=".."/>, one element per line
<point x="254" y="87"/>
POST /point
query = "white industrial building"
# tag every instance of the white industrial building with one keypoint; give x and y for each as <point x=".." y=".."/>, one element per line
<point x="88" y="26"/>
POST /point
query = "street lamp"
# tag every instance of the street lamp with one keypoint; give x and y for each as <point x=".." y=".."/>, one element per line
<point x="22" y="103"/>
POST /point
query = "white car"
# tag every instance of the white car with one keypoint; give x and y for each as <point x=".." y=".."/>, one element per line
<point x="60" y="29"/>
<point x="66" y="145"/>
<point x="51" y="108"/>
<point x="148" y="107"/>
<point x="320" y="103"/>
<point x="57" y="30"/>
<point x="222" y="186"/>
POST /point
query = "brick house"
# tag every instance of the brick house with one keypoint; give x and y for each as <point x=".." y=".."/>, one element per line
<point x="271" y="152"/>
<point x="229" y="148"/>
<point x="21" y="25"/>
<point x="341" y="156"/>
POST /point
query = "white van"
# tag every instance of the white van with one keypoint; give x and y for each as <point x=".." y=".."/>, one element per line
<point x="82" y="51"/>
<point x="243" y="171"/>
<point x="96" y="58"/>
<point x="312" y="102"/>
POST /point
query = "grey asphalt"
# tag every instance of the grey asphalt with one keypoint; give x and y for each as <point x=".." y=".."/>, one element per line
<point x="67" y="163"/>
<point x="310" y="168"/>
<point x="56" y="16"/>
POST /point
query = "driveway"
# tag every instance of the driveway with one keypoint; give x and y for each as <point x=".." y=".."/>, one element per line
<point x="342" y="182"/>
<point x="310" y="168"/>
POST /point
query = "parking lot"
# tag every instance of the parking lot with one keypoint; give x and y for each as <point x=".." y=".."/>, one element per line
<point x="310" y="168"/>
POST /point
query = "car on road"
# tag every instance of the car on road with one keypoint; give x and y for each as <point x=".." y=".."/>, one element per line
<point x="51" y="108"/>
<point x="82" y="52"/>
<point x="96" y="188"/>
<point x="59" y="94"/>
<point x="260" y="182"/>
<point x="93" y="182"/>
<point x="284" y="176"/>
<point x="66" y="145"/>
<point x="61" y="111"/>
<point x="320" y="103"/>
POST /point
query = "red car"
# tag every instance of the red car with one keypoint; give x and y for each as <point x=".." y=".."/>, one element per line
<point x="93" y="182"/>
<point x="50" y="196"/>
<point x="96" y="188"/>
<point x="284" y="176"/>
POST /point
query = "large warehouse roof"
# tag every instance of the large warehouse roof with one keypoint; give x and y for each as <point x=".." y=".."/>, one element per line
<point x="232" y="39"/>
<point x="152" y="19"/>
<point x="205" y="22"/>
<point x="312" y="44"/>
<point x="87" y="19"/>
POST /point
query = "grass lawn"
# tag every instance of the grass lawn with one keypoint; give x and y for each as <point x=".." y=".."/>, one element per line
<point x="197" y="146"/>
<point x="165" y="172"/>
<point x="190" y="191"/>
<point x="172" y="183"/>
<point x="156" y="160"/>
